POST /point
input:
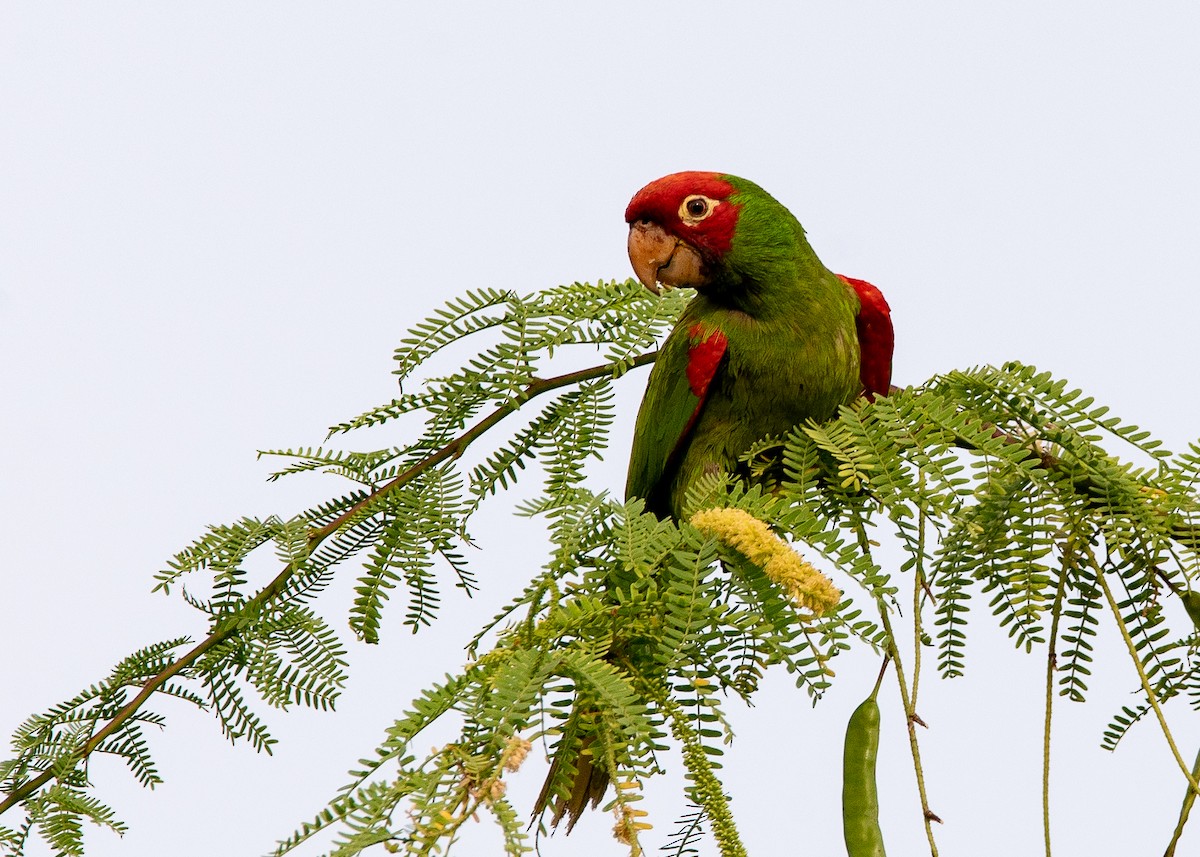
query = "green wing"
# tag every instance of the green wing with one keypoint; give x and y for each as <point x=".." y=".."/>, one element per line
<point x="675" y="395"/>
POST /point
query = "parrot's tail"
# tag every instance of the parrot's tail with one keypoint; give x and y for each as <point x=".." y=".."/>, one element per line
<point x="588" y="784"/>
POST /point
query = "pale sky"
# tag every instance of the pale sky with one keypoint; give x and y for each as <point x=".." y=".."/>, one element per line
<point x="217" y="220"/>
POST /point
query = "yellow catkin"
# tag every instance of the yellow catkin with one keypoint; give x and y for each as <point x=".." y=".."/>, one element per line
<point x="803" y="584"/>
<point x="628" y="827"/>
<point x="515" y="752"/>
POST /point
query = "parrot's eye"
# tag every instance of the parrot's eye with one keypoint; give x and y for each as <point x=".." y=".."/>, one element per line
<point x="695" y="208"/>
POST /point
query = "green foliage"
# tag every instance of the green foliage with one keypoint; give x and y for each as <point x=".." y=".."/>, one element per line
<point x="51" y="742"/>
<point x="627" y="643"/>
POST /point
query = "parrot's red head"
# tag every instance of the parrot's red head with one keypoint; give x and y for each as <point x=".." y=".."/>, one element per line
<point x="742" y="249"/>
<point x="680" y="226"/>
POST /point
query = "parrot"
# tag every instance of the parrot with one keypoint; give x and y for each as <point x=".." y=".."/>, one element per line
<point x="771" y="339"/>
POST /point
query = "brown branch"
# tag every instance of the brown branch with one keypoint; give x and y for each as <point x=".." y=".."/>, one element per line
<point x="1186" y="534"/>
<point x="228" y="630"/>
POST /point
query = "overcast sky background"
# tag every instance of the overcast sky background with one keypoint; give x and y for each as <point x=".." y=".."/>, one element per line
<point x="218" y="220"/>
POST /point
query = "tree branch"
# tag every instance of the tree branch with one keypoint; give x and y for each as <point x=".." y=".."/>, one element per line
<point x="228" y="630"/>
<point x="1187" y="534"/>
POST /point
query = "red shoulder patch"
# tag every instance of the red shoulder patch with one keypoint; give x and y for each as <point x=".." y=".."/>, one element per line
<point x="704" y="356"/>
<point x="876" y="339"/>
<point x="705" y="353"/>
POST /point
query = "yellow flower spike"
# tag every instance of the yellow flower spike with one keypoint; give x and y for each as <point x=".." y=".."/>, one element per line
<point x="621" y="833"/>
<point x="626" y="829"/>
<point x="800" y="581"/>
<point x="515" y="751"/>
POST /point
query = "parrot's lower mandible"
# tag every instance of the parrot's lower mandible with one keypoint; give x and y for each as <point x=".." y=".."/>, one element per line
<point x="772" y="339"/>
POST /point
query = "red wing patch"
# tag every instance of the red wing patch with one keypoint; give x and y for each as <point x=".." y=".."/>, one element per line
<point x="704" y="356"/>
<point x="876" y="338"/>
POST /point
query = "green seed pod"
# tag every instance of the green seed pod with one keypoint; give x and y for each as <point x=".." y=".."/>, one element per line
<point x="860" y="796"/>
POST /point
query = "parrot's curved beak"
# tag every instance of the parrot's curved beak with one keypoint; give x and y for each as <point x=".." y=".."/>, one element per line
<point x="660" y="259"/>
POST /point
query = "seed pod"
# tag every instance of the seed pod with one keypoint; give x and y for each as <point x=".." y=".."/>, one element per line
<point x="860" y="796"/>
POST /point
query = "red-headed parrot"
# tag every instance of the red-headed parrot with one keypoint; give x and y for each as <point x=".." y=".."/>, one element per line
<point x="772" y="338"/>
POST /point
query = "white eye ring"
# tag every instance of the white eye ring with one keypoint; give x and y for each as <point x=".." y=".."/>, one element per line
<point x="696" y="207"/>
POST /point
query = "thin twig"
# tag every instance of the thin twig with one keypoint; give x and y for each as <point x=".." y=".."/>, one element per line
<point x="1184" y="812"/>
<point x="920" y="587"/>
<point x="910" y="713"/>
<point x="910" y="719"/>
<point x="1083" y="485"/>
<point x="1141" y="671"/>
<point x="1051" y="666"/>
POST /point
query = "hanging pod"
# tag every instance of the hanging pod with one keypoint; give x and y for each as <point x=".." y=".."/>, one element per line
<point x="860" y="795"/>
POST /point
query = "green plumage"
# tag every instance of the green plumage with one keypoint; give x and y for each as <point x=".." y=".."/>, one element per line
<point x="792" y="355"/>
<point x="769" y="341"/>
